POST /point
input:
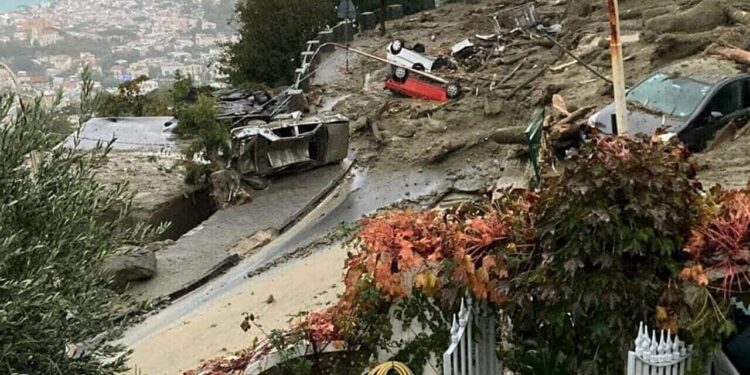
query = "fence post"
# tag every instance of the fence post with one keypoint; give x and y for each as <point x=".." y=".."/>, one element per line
<point x="658" y="356"/>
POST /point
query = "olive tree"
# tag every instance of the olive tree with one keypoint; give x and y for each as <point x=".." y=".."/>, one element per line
<point x="57" y="223"/>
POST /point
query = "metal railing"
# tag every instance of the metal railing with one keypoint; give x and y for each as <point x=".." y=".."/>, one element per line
<point x="658" y="356"/>
<point x="472" y="352"/>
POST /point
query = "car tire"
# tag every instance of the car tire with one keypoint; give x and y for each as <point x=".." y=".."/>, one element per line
<point x="419" y="48"/>
<point x="396" y="46"/>
<point x="400" y="73"/>
<point x="452" y="90"/>
<point x="419" y="67"/>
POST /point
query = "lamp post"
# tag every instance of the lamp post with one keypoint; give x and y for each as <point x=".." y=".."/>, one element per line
<point x="618" y="70"/>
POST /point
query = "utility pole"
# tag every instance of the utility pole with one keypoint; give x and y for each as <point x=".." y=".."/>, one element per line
<point x="347" y="12"/>
<point x="346" y="36"/>
<point x="618" y="70"/>
<point x="383" y="15"/>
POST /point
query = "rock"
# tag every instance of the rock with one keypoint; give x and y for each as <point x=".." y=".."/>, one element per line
<point x="435" y="126"/>
<point x="270" y="299"/>
<point x="407" y="129"/>
<point x="132" y="264"/>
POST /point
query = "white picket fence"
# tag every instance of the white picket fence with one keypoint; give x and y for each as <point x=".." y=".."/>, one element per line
<point x="470" y="352"/>
<point x="654" y="356"/>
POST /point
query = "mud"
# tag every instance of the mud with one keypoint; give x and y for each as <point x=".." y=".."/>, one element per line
<point x="502" y="91"/>
<point x="160" y="195"/>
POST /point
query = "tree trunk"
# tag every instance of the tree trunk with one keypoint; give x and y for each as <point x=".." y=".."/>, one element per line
<point x="383" y="16"/>
<point x="511" y="135"/>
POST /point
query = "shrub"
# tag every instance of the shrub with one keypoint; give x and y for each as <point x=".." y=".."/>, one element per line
<point x="199" y="120"/>
<point x="609" y="230"/>
<point x="719" y="245"/>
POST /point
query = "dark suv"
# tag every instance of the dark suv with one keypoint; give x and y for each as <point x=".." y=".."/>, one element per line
<point x="692" y="100"/>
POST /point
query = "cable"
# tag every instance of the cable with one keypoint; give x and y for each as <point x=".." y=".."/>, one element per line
<point x="387" y="367"/>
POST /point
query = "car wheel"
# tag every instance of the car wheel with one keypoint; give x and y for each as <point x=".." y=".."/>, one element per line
<point x="396" y="46"/>
<point x="418" y="66"/>
<point x="419" y="48"/>
<point x="452" y="90"/>
<point x="400" y="73"/>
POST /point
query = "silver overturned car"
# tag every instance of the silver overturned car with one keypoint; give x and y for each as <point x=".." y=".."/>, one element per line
<point x="292" y="144"/>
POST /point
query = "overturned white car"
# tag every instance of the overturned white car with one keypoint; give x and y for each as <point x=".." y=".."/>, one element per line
<point x="415" y="58"/>
<point x="262" y="149"/>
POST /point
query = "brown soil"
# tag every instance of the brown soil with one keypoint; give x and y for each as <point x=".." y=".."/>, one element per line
<point x="160" y="194"/>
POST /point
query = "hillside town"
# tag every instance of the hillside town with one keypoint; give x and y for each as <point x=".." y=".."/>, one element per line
<point x="45" y="46"/>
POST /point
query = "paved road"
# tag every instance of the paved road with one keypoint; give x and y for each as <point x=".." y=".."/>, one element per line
<point x="196" y="253"/>
<point x="358" y="196"/>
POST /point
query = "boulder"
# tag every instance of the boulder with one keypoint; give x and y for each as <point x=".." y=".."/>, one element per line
<point x="131" y="264"/>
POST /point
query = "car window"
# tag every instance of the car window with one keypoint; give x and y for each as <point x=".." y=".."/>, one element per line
<point x="674" y="96"/>
<point x="730" y="98"/>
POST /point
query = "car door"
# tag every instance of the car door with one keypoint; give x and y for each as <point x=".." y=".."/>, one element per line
<point x="729" y="104"/>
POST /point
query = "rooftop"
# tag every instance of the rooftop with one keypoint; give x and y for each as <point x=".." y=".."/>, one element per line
<point x="129" y="133"/>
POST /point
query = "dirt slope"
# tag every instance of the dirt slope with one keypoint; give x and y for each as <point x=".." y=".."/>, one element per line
<point x="502" y="89"/>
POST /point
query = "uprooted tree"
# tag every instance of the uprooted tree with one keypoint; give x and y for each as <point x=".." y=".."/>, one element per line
<point x="56" y="226"/>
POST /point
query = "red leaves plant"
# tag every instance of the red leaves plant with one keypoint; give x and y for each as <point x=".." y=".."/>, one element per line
<point x="720" y="244"/>
<point x="430" y="250"/>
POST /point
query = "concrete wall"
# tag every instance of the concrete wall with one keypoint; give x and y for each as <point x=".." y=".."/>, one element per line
<point x="342" y="33"/>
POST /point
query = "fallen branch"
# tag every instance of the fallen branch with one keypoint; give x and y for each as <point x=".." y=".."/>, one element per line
<point x="512" y="59"/>
<point x="511" y="135"/>
<point x="511" y="74"/>
<point x="575" y="115"/>
<point x="736" y="54"/>
<point x="562" y="67"/>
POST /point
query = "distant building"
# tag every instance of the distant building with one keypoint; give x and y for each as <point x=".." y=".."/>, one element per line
<point x="45" y="37"/>
<point x="170" y="69"/>
<point x="194" y="70"/>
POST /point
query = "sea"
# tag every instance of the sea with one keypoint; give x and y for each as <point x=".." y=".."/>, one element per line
<point x="11" y="5"/>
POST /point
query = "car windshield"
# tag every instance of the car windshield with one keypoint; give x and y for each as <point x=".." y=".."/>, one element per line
<point x="673" y="96"/>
